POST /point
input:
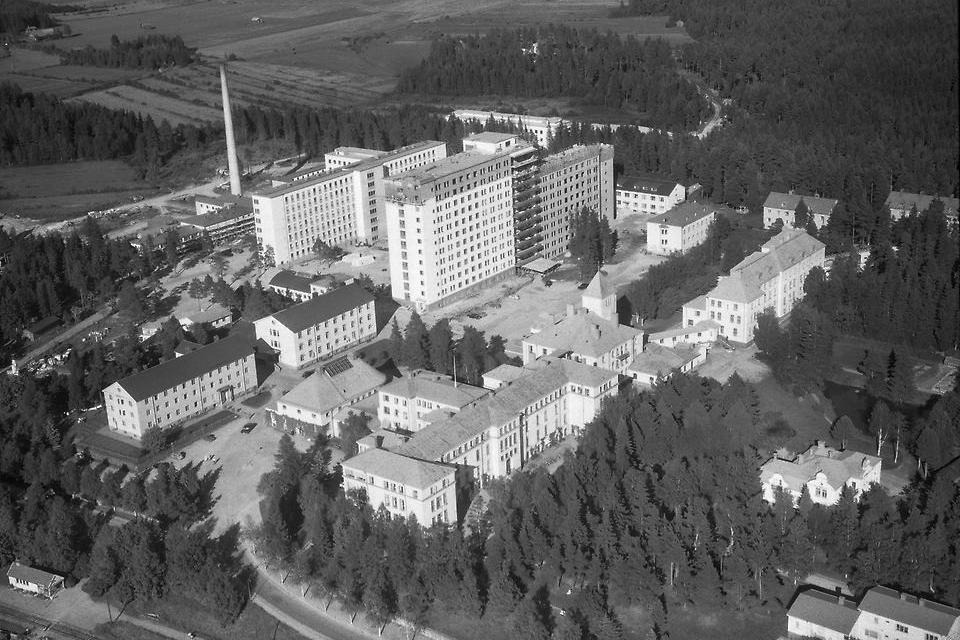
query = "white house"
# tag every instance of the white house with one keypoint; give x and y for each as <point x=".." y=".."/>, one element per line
<point x="647" y="194"/>
<point x="680" y="229"/>
<point x="882" y="614"/>
<point x="658" y="362"/>
<point x="783" y="206"/>
<point x="33" y="580"/>
<point x="824" y="471"/>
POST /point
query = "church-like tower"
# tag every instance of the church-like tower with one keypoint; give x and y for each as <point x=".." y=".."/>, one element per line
<point x="600" y="298"/>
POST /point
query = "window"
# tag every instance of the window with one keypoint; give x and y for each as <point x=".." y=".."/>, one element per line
<point x="931" y="636"/>
<point x="902" y="628"/>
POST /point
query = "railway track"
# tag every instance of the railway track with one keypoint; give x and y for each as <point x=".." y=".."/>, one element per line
<point x="41" y="627"/>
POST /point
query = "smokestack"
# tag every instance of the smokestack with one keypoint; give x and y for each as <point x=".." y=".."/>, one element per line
<point x="232" y="163"/>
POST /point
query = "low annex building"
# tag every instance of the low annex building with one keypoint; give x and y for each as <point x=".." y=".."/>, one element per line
<point x="36" y="581"/>
<point x="320" y="401"/>
<point x="824" y="472"/>
<point x="181" y="388"/>
<point x="771" y="278"/>
<point x="648" y="194"/>
<point x="882" y="613"/>
<point x="783" y="206"/>
<point x="680" y="229"/>
<point x="299" y="286"/>
<point x="658" y="362"/>
<point x="321" y="326"/>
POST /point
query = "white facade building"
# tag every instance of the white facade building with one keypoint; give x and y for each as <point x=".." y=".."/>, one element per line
<point x="901" y="203"/>
<point x="321" y="326"/>
<point x="680" y="229"/>
<point x="411" y="402"/>
<point x="648" y="194"/>
<point x="181" y="388"/>
<point x="578" y="178"/>
<point x="783" y="206"/>
<point x="771" y="278"/>
<point x="824" y="471"/>
<point x="450" y="227"/>
<point x="882" y="614"/>
<point x="404" y="486"/>
<point x="543" y="128"/>
<point x="341" y="206"/>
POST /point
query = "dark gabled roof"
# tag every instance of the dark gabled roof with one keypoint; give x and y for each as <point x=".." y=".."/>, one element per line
<point x="286" y="279"/>
<point x="647" y="184"/>
<point x="177" y="371"/>
<point x="686" y="213"/>
<point x="322" y="308"/>
<point x="826" y="610"/>
<point x="910" y="610"/>
<point x="32" y="576"/>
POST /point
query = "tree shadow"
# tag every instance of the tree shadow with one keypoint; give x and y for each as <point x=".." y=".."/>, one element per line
<point x="206" y="500"/>
<point x="165" y="305"/>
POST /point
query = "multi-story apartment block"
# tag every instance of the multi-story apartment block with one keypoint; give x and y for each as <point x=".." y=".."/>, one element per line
<point x="411" y="402"/>
<point x="404" y="486"/>
<point x="783" y="206"/>
<point x="824" y="471"/>
<point x="901" y="203"/>
<point x="680" y="229"/>
<point x="450" y="227"/>
<point x="321" y="401"/>
<point x="882" y="614"/>
<point x="181" y="388"/>
<point x="771" y="278"/>
<point x="648" y="194"/>
<point x="579" y="178"/>
<point x="341" y="205"/>
<point x="524" y="162"/>
<point x="321" y="326"/>
<point x="542" y="128"/>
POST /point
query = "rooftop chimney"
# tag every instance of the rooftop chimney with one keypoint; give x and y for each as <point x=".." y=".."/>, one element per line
<point x="232" y="163"/>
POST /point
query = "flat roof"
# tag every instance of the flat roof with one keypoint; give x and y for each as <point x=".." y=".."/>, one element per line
<point x="323" y="307"/>
<point x="179" y="370"/>
<point x="205" y="220"/>
<point x="306" y="183"/>
<point x="448" y="166"/>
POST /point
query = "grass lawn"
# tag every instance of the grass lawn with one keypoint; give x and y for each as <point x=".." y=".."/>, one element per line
<point x="253" y="624"/>
<point x="805" y="416"/>
<point x="468" y="629"/>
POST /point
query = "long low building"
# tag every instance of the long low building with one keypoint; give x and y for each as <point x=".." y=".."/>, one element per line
<point x="181" y="388"/>
<point x="321" y="326"/>
<point x="903" y="203"/>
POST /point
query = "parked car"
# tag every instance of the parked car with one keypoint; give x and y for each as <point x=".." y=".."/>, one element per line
<point x="181" y="455"/>
<point x="210" y="437"/>
<point x="247" y="428"/>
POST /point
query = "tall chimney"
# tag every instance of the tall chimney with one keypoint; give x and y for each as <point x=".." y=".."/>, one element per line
<point x="232" y="163"/>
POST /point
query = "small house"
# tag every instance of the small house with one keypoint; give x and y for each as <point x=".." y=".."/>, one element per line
<point x="34" y="581"/>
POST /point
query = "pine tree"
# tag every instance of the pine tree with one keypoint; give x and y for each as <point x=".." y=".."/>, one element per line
<point x="441" y="346"/>
<point x="416" y="343"/>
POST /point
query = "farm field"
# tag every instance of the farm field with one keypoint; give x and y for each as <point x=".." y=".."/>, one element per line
<point x="60" y="191"/>
<point x="147" y="103"/>
<point x="39" y="72"/>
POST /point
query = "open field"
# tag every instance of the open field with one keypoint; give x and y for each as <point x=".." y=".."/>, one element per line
<point x="40" y="72"/>
<point x="146" y="103"/>
<point x="59" y="191"/>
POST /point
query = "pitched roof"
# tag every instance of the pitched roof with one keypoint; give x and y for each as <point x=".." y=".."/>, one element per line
<point x="179" y="370"/>
<point x="434" y="387"/>
<point x="213" y="312"/>
<point x="286" y="279"/>
<point x="659" y="360"/>
<point x="505" y="373"/>
<point x="910" y="610"/>
<point x="685" y="213"/>
<point x="322" y="308"/>
<point x="907" y="201"/>
<point x="585" y="334"/>
<point x="647" y="184"/>
<point x="33" y="576"/>
<point x="837" y="466"/>
<point x="599" y="287"/>
<point x="703" y="325"/>
<point x="789" y="201"/>
<point x="402" y="469"/>
<point x="826" y="610"/>
<point x="777" y="254"/>
<point x="332" y="387"/>
<point x="544" y="376"/>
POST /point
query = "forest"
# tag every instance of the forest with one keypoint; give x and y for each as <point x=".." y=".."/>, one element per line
<point x="17" y="15"/>
<point x="146" y="52"/>
<point x="659" y="508"/>
<point x="844" y="99"/>
<point x="558" y="61"/>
